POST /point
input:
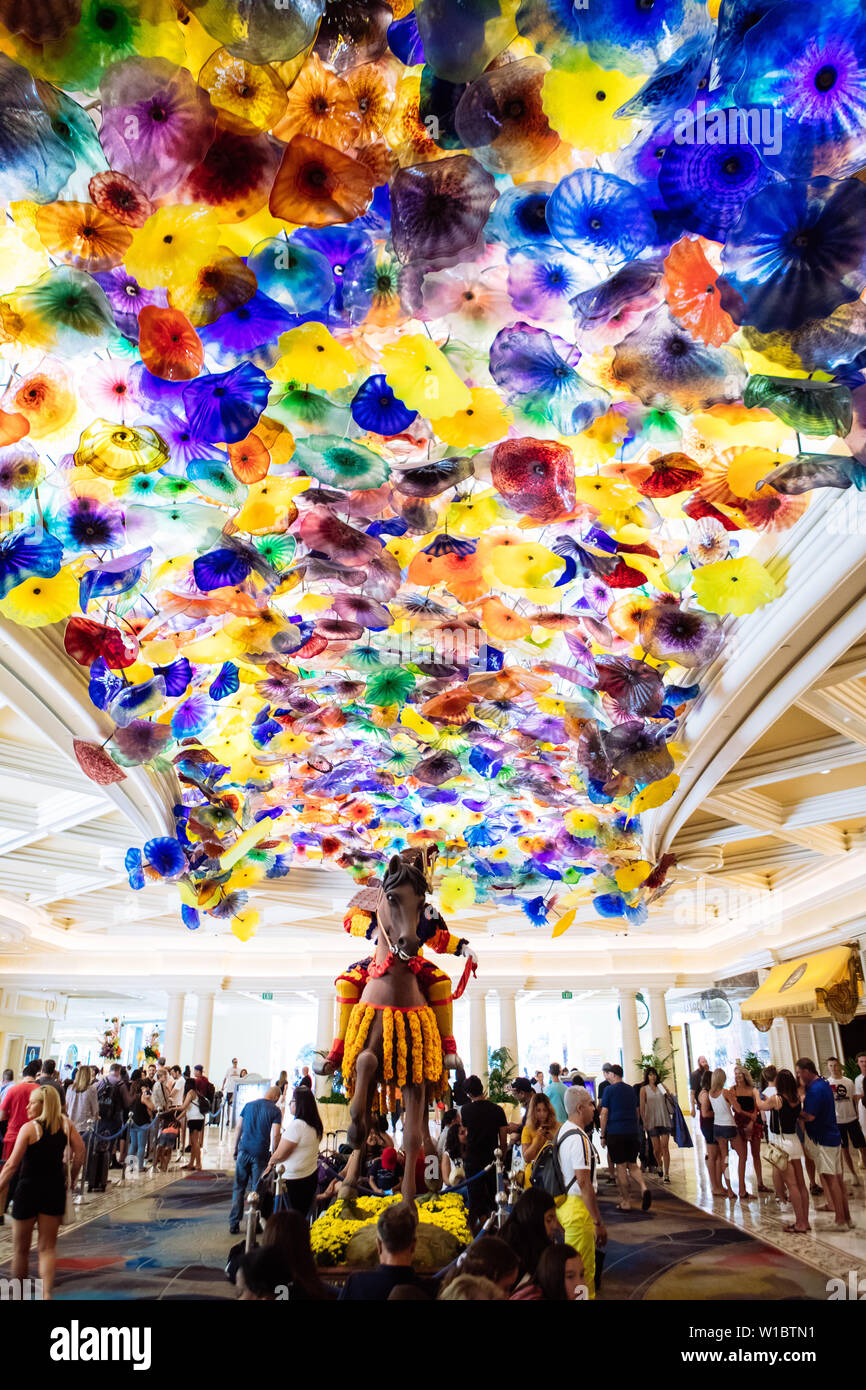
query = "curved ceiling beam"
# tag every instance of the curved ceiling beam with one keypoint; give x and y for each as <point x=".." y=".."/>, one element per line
<point x="772" y="657"/>
<point x="38" y="680"/>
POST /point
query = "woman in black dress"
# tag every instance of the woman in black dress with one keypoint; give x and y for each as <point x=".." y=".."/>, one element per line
<point x="40" y="1192"/>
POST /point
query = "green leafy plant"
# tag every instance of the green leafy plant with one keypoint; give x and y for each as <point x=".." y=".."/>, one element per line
<point x="656" y="1060"/>
<point x="501" y="1069"/>
<point x="850" y="1068"/>
<point x="753" y="1066"/>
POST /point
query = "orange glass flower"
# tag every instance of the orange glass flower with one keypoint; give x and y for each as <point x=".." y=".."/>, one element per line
<point x="82" y="236"/>
<point x="222" y="285"/>
<point x="373" y="95"/>
<point x="693" y="294"/>
<point x="249" y="459"/>
<point x="318" y="186"/>
<point x="45" y="398"/>
<point x="320" y="105"/>
<point x="168" y="344"/>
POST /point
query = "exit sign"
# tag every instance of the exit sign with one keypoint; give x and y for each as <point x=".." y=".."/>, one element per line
<point x="270" y="996"/>
<point x="566" y="994"/>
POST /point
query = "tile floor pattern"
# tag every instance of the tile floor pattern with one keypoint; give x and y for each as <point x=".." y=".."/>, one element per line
<point x="836" y="1254"/>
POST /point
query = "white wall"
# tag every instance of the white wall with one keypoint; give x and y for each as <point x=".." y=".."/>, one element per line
<point x="264" y="1036"/>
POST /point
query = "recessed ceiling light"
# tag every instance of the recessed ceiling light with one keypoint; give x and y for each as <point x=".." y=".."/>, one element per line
<point x="825" y="771"/>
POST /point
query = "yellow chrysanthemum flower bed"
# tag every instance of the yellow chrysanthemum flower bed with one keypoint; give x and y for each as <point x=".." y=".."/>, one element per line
<point x="331" y="1233"/>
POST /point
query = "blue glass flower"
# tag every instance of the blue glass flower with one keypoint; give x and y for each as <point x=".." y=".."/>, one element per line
<point x="190" y="917"/>
<point x="542" y="280"/>
<point x="808" y="62"/>
<point x="297" y="276"/>
<point x="632" y="35"/>
<point x="377" y="409"/>
<point x="134" y="867"/>
<point x="797" y="253"/>
<point x="404" y="40"/>
<point x="537" y="373"/>
<point x="177" y="676"/>
<point x="248" y="329"/>
<point x="519" y="216"/>
<point x="675" y="83"/>
<point x="165" y="856"/>
<point x="26" y="553"/>
<point x="218" y="569"/>
<point x="226" y="682"/>
<point x="707" y="184"/>
<point x="117" y="576"/>
<point x="135" y="701"/>
<point x="337" y="244"/>
<point x="600" y="216"/>
<point x="225" y="406"/>
<point x="192" y="716"/>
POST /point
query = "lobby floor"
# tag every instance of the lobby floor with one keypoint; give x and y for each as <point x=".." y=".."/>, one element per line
<point x="834" y="1254"/>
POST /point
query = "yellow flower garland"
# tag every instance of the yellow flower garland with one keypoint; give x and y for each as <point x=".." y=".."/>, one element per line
<point x="356" y="1036"/>
<point x="417" y="1047"/>
<point x="400" y="1024"/>
<point x="388" y="1043"/>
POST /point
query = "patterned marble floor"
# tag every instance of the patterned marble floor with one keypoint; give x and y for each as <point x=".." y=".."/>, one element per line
<point x="834" y="1253"/>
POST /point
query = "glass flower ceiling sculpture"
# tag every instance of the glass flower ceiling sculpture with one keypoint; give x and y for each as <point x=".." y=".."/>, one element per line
<point x="392" y="399"/>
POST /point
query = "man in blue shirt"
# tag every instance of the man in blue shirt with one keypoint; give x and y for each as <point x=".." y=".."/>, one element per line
<point x="823" y="1140"/>
<point x="620" y="1135"/>
<point x="252" y="1149"/>
<point x="555" y="1092"/>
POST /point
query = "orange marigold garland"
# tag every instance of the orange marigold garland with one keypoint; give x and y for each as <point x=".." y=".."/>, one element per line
<point x="417" y="1047"/>
<point x="359" y="1027"/>
<point x="388" y="1044"/>
<point x="400" y="1028"/>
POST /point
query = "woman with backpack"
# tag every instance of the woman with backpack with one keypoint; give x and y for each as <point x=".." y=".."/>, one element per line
<point x="541" y="1128"/>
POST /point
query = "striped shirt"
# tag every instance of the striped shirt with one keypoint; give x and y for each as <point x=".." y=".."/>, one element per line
<point x="576" y="1153"/>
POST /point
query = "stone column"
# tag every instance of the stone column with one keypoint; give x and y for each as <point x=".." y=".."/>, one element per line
<point x="173" y="1039"/>
<point x="203" y="1032"/>
<point x="658" y="1018"/>
<point x="631" y="1048"/>
<point x="508" y="1025"/>
<point x="478" y="1035"/>
<point x="324" y="1036"/>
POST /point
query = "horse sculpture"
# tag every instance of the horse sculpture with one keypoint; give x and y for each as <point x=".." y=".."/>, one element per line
<point x="392" y="1037"/>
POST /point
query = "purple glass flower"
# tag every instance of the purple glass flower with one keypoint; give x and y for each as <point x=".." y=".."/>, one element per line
<point x="127" y="299"/>
<point x="157" y="123"/>
<point x="671" y="633"/>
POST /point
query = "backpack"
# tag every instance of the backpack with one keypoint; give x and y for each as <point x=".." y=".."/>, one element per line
<point x="107" y="1101"/>
<point x="203" y="1103"/>
<point x="547" y="1169"/>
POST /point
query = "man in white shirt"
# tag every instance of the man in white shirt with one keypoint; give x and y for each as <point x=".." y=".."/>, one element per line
<point x="860" y="1090"/>
<point x="229" y="1086"/>
<point x="845" y="1099"/>
<point x="580" y="1214"/>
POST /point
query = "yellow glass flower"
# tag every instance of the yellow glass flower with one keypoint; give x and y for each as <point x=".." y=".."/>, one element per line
<point x="312" y="357"/>
<point x="735" y="586"/>
<point x="38" y="601"/>
<point x="483" y="421"/>
<point x="580" y="98"/>
<point x="268" y="507"/>
<point x="419" y="373"/>
<point x="173" y="245"/>
<point x="244" y="925"/>
<point x="525" y="566"/>
<point x="118" y="451"/>
<point x="247" y="97"/>
<point x="474" y="515"/>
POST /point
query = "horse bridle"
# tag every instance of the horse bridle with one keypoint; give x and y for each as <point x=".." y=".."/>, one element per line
<point x="380" y="926"/>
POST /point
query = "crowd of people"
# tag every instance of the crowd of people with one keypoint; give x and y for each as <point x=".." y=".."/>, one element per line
<point x="530" y="1181"/>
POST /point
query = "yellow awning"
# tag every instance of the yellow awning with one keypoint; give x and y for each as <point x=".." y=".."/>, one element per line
<point x="825" y="985"/>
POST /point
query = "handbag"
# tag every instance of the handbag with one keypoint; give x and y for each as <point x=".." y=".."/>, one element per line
<point x="69" y="1213"/>
<point x="777" y="1157"/>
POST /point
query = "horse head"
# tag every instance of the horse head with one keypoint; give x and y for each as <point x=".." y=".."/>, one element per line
<point x="401" y="902"/>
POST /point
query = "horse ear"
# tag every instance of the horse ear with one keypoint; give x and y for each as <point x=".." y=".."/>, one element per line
<point x="395" y="864"/>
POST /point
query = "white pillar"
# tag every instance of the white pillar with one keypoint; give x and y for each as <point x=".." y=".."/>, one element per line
<point x="324" y="1037"/>
<point x="478" y="1035"/>
<point x="203" y="1032"/>
<point x="171" y="1043"/>
<point x="658" y="1019"/>
<point x="631" y="1048"/>
<point x="508" y="1025"/>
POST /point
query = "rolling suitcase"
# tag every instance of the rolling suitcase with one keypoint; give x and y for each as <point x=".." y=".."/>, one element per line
<point x="97" y="1168"/>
